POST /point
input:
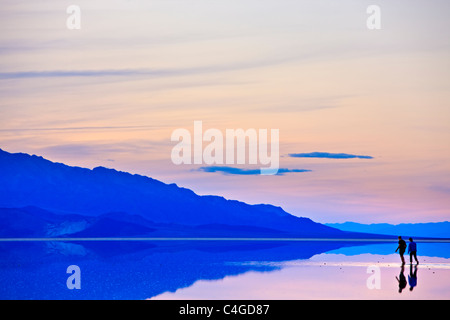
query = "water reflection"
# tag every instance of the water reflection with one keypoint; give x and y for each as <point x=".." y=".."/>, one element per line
<point x="412" y="278"/>
<point x="401" y="279"/>
<point x="214" y="270"/>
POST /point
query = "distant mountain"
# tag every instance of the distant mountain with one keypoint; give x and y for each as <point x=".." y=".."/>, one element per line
<point x="36" y="222"/>
<point x="73" y="200"/>
<point x="406" y="230"/>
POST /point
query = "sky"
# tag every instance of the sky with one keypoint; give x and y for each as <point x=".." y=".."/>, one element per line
<point x="363" y="115"/>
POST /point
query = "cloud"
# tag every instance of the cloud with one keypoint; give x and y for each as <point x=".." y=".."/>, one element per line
<point x="328" y="155"/>
<point x="143" y="127"/>
<point x="83" y="73"/>
<point x="145" y="72"/>
<point x="246" y="172"/>
<point x="440" y="188"/>
<point x="100" y="149"/>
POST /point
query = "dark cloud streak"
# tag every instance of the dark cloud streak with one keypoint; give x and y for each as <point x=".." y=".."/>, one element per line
<point x="246" y="172"/>
<point x="328" y="155"/>
<point x="144" y="127"/>
<point x="83" y="73"/>
<point x="242" y="65"/>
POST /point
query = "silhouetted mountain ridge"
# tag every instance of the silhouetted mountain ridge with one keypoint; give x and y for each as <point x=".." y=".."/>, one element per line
<point x="27" y="180"/>
<point x="429" y="229"/>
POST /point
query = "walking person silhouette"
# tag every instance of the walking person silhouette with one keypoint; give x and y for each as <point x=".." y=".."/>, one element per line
<point x="402" y="248"/>
<point x="412" y="250"/>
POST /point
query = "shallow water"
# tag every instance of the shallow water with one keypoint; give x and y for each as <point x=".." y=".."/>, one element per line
<point x="222" y="270"/>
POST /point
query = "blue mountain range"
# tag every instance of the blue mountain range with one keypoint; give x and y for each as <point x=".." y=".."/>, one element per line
<point x="40" y="198"/>
<point x="429" y="229"/>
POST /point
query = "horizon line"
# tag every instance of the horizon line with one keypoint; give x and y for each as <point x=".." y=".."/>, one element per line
<point x="444" y="240"/>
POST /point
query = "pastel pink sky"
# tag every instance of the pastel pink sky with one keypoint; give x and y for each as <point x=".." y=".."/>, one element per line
<point x="112" y="93"/>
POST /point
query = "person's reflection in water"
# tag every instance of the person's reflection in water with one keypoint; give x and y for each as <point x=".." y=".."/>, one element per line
<point x="402" y="281"/>
<point x="412" y="277"/>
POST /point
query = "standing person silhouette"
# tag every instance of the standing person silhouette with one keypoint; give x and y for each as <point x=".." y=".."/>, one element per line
<point x="402" y="248"/>
<point x="412" y="250"/>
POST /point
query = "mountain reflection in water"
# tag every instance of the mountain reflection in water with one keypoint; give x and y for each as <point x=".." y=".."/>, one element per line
<point x="146" y="269"/>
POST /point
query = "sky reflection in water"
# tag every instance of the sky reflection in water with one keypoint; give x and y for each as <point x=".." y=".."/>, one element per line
<point x="220" y="270"/>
